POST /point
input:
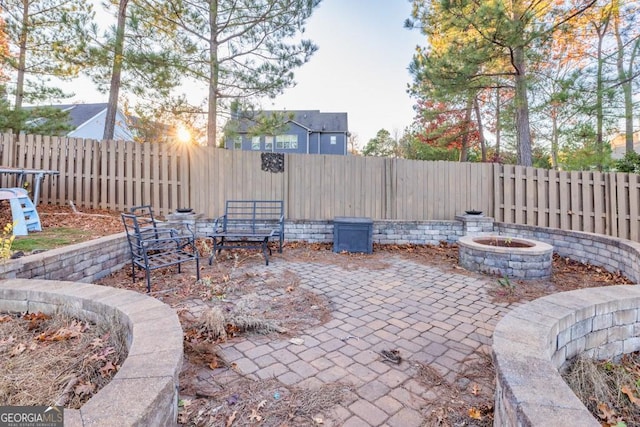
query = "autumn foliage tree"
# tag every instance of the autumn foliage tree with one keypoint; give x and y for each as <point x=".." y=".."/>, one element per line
<point x="4" y="56"/>
<point x="472" y="44"/>
<point x="445" y="127"/>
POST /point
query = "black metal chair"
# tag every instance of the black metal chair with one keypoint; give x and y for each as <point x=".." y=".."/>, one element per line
<point x="153" y="246"/>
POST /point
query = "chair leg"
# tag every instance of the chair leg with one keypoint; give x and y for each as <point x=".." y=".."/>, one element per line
<point x="266" y="250"/>
<point x="148" y="280"/>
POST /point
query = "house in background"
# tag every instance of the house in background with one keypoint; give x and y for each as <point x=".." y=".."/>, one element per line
<point x="618" y="145"/>
<point x="88" y="121"/>
<point x="305" y="131"/>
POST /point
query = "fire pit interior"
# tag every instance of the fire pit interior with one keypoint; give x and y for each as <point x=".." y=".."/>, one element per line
<point x="506" y="256"/>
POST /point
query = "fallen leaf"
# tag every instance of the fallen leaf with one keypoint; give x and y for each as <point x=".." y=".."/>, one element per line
<point x="318" y="420"/>
<point x="97" y="342"/>
<point x="632" y="397"/>
<point x="84" y="388"/>
<point x="475" y="413"/>
<point x="255" y="416"/>
<point x="105" y="371"/>
<point x="18" y="349"/>
<point x="231" y="418"/>
<point x="35" y="319"/>
<point x="5" y="318"/>
<point x="213" y="364"/>
<point x="475" y="389"/>
<point x="609" y="415"/>
<point x="290" y="289"/>
<point x="262" y="404"/>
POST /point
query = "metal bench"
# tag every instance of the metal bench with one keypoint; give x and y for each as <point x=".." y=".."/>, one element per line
<point x="249" y="224"/>
<point x="153" y="247"/>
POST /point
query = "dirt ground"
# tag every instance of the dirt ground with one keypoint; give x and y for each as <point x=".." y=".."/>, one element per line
<point x="228" y="303"/>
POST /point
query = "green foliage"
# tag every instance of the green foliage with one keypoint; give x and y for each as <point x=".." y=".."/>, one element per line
<point x="581" y="151"/>
<point x="417" y="150"/>
<point x="629" y="163"/>
<point x="37" y="120"/>
<point x="237" y="49"/>
<point x="48" y="39"/>
<point x="382" y="145"/>
<point x="274" y="123"/>
<point x="505" y="283"/>
<point x="50" y="238"/>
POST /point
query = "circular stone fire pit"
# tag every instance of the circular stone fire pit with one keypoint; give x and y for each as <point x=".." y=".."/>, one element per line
<point x="506" y="256"/>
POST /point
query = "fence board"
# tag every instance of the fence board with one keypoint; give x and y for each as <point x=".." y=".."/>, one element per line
<point x="575" y="209"/>
<point x="623" y="204"/>
<point x="117" y="175"/>
<point x="634" y="207"/>
<point x="599" y="203"/>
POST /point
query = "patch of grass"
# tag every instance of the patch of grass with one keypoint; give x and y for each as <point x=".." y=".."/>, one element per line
<point x="50" y="238"/>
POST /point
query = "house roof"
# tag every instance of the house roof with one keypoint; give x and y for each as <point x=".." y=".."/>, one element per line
<point x="81" y="113"/>
<point x="313" y="120"/>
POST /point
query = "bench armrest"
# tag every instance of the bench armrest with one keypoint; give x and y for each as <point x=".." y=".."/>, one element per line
<point x="218" y="223"/>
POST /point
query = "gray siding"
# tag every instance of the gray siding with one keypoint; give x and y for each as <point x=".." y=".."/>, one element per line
<point x="317" y="133"/>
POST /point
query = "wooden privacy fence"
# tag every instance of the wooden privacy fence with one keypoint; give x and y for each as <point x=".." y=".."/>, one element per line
<point x="117" y="175"/>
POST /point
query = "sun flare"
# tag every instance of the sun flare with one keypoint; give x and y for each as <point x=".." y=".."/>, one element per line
<point x="183" y="134"/>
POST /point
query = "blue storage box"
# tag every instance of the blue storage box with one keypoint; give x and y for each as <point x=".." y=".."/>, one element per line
<point x="352" y="234"/>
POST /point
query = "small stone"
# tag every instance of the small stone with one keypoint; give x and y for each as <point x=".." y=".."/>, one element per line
<point x="296" y="341"/>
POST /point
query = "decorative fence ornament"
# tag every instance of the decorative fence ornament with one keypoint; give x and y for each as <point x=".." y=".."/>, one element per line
<point x="272" y="162"/>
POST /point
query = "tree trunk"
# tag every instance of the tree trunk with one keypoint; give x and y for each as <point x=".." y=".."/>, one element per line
<point x="498" y="127"/>
<point x="212" y="114"/>
<point x="483" y="145"/>
<point x="601" y="31"/>
<point x="22" y="55"/>
<point x="116" y="73"/>
<point x="522" y="108"/>
<point x="554" y="137"/>
<point x="466" y="129"/>
<point x="625" y="79"/>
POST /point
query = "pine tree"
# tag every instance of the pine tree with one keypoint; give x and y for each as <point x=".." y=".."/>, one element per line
<point x="46" y="38"/>
<point x="239" y="49"/>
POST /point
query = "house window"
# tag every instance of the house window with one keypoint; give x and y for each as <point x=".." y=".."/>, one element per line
<point x="268" y="143"/>
<point x="287" y="142"/>
<point x="255" y="143"/>
<point x="334" y="139"/>
<point x="237" y="143"/>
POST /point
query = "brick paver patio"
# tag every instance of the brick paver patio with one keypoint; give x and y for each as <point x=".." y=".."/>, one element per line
<point x="428" y="315"/>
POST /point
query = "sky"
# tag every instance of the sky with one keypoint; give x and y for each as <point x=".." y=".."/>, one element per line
<point x="360" y="67"/>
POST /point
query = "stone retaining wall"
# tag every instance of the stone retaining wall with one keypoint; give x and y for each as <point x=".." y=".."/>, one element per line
<point x="534" y="341"/>
<point x="82" y="262"/>
<point x="609" y="252"/>
<point x="145" y="389"/>
<point x="531" y="260"/>
<point x="385" y="232"/>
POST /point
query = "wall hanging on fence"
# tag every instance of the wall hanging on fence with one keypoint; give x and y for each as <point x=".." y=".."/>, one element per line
<point x="273" y="162"/>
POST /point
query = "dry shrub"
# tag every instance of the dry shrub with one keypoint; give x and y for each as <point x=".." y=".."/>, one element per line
<point x="47" y="360"/>
<point x="215" y="324"/>
<point x="467" y="401"/>
<point x="609" y="390"/>
<point x="266" y="403"/>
